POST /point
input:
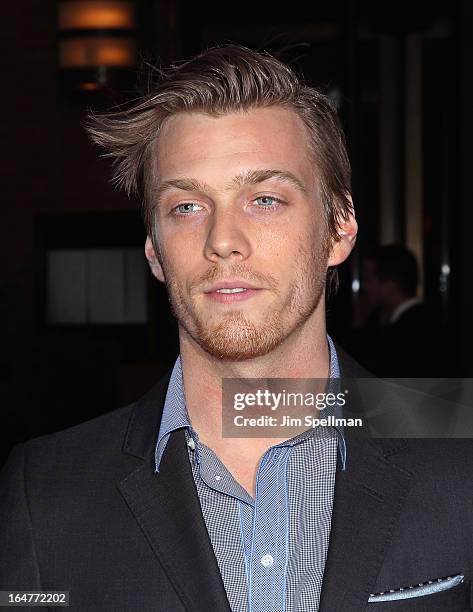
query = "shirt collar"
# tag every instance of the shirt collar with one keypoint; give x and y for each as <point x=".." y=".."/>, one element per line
<point x="175" y="415"/>
<point x="334" y="365"/>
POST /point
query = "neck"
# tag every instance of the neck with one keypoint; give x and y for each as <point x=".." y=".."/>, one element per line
<point x="304" y="354"/>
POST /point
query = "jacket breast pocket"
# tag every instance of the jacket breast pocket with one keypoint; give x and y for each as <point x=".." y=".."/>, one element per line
<point x="456" y="599"/>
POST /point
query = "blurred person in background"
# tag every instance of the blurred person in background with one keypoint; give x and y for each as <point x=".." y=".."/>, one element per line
<point x="397" y="333"/>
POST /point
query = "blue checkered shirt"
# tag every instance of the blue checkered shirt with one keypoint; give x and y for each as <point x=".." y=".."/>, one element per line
<point x="271" y="550"/>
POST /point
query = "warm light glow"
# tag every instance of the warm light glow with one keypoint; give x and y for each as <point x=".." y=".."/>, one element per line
<point x="96" y="15"/>
<point x="89" y="86"/>
<point x="90" y="52"/>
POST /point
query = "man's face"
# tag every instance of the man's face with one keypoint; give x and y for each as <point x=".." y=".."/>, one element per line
<point x="240" y="229"/>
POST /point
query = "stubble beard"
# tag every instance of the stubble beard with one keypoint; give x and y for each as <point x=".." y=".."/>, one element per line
<point x="236" y="337"/>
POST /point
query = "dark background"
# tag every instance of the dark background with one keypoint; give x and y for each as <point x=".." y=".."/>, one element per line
<point x="402" y="73"/>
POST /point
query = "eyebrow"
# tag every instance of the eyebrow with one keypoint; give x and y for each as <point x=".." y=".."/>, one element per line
<point x="184" y="184"/>
<point x="250" y="177"/>
<point x="254" y="177"/>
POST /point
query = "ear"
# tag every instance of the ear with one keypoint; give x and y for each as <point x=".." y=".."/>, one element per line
<point x="153" y="260"/>
<point x="341" y="248"/>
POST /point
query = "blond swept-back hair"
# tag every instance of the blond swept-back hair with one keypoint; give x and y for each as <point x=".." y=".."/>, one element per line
<point x="221" y="80"/>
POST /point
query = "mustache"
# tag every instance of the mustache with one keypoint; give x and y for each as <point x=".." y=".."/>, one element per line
<point x="214" y="275"/>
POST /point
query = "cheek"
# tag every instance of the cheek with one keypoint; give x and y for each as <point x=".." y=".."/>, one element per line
<point x="176" y="241"/>
<point x="272" y="247"/>
<point x="281" y="242"/>
<point x="183" y="262"/>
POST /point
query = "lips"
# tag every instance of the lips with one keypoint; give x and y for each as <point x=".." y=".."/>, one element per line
<point x="231" y="292"/>
<point x="235" y="290"/>
<point x="231" y="286"/>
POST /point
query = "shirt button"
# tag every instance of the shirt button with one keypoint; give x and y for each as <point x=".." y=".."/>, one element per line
<point x="217" y="477"/>
<point x="191" y="444"/>
<point x="267" y="560"/>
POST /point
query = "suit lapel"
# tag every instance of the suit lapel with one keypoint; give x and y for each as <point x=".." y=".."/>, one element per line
<point x="368" y="500"/>
<point x="167" y="509"/>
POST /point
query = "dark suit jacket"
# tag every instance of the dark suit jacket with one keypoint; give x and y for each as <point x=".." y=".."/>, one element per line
<point x="82" y="510"/>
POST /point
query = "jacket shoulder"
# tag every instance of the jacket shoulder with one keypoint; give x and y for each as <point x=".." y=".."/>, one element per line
<point x="110" y="433"/>
<point x="101" y="431"/>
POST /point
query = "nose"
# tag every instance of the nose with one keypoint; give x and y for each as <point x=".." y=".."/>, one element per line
<point x="226" y="238"/>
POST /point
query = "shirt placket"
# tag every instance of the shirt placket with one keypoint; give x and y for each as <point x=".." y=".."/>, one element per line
<point x="268" y="555"/>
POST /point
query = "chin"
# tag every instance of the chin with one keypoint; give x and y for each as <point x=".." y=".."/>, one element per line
<point x="228" y="352"/>
<point x="239" y="339"/>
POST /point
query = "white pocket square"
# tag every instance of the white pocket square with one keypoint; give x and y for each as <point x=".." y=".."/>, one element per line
<point x="419" y="590"/>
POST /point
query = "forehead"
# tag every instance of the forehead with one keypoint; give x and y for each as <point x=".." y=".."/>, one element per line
<point x="194" y="143"/>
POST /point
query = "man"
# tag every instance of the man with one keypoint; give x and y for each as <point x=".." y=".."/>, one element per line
<point x="246" y="190"/>
<point x="402" y="337"/>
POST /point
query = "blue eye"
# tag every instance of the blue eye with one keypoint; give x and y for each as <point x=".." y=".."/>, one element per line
<point x="267" y="201"/>
<point x="186" y="208"/>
